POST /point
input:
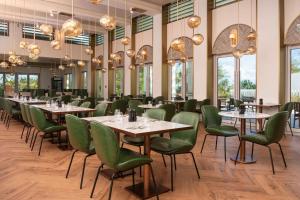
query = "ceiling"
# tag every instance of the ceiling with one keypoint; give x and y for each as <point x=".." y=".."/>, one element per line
<point x="23" y="10"/>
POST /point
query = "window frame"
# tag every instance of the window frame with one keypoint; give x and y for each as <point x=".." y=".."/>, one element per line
<point x="148" y="92"/>
<point x="83" y="84"/>
<point x="122" y="82"/>
<point x="288" y="87"/>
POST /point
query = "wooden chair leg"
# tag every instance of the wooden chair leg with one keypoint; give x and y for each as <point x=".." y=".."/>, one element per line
<point x="203" y="143"/>
<point x="95" y="181"/>
<point x="283" y="158"/>
<point x="271" y="157"/>
<point x="71" y="163"/>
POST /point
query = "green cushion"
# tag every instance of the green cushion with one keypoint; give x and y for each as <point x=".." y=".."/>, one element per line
<point x="136" y="141"/>
<point x="167" y="146"/>
<point x="52" y="127"/>
<point x="256" y="138"/>
<point x="226" y="131"/>
<point x="129" y="159"/>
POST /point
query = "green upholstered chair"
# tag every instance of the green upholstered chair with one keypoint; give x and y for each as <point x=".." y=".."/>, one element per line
<point x="101" y="110"/>
<point x="289" y="108"/>
<point x="111" y="155"/>
<point x="31" y="125"/>
<point x="134" y="104"/>
<point x="86" y="104"/>
<point x="2" y="107"/>
<point x="10" y="112"/>
<point x="43" y="126"/>
<point x="66" y="99"/>
<point x="75" y="103"/>
<point x="80" y="140"/>
<point x="190" y="105"/>
<point x="147" y="99"/>
<point x="273" y="133"/>
<point x="170" y="110"/>
<point x="24" y="118"/>
<point x="120" y="105"/>
<point x="213" y="126"/>
<point x="202" y="103"/>
<point x="156" y="100"/>
<point x="180" y="142"/>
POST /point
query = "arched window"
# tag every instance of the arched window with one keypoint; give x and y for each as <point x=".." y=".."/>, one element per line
<point x="292" y="40"/>
<point x="119" y="74"/>
<point x="234" y="77"/>
<point x="181" y="72"/>
<point x="144" y="70"/>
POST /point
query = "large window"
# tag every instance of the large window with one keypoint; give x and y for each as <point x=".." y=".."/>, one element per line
<point x="99" y="83"/>
<point x="29" y="31"/>
<point x="22" y="82"/>
<point x="9" y="81"/>
<point x="185" y="9"/>
<point x="4" y="31"/>
<point x="142" y="23"/>
<point x="295" y="74"/>
<point x="119" y="81"/>
<point x="236" y="78"/>
<point x="68" y="81"/>
<point x="1" y="84"/>
<point x="182" y="79"/>
<point x="84" y="80"/>
<point x="145" y="79"/>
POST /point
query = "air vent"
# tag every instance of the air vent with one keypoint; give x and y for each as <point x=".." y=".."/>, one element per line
<point x="138" y="10"/>
<point x="65" y="14"/>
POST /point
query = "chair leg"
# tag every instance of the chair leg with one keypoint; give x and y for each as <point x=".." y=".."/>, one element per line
<point x="28" y="134"/>
<point x="216" y="143"/>
<point x="33" y="143"/>
<point x="133" y="181"/>
<point x="235" y="122"/>
<point x="283" y="158"/>
<point x="95" y="181"/>
<point x="270" y="151"/>
<point x="32" y="138"/>
<point x="203" y="143"/>
<point x="290" y="128"/>
<point x="175" y="165"/>
<point x="42" y="139"/>
<point x="172" y="187"/>
<point x="23" y="130"/>
<point x="252" y="149"/>
<point x="83" y="168"/>
<point x="195" y="164"/>
<point x="154" y="182"/>
<point x="237" y="154"/>
<point x="162" y="155"/>
<point x="140" y="150"/>
<point x="71" y="163"/>
<point x="111" y="186"/>
<point x="225" y="149"/>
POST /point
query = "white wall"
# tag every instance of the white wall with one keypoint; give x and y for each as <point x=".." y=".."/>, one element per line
<point x="291" y="12"/>
<point x="143" y="38"/>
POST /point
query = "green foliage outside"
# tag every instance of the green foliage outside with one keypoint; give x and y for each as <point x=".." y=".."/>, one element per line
<point x="295" y="69"/>
<point x="118" y="81"/>
<point x="247" y="84"/>
<point x="224" y="86"/>
<point x="142" y="86"/>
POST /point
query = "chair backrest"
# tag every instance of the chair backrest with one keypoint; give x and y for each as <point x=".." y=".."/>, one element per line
<point x="78" y="133"/>
<point x="38" y="118"/>
<point x="170" y="110"/>
<point x="106" y="144"/>
<point x="134" y="104"/>
<point x="101" y="109"/>
<point x="210" y="116"/>
<point x="8" y="106"/>
<point x="288" y="107"/>
<point x="158" y="99"/>
<point x="28" y="114"/>
<point x="275" y="127"/>
<point x="237" y="103"/>
<point x="66" y="99"/>
<point x="75" y="103"/>
<point x="147" y="99"/>
<point x="190" y="105"/>
<point x="156" y="113"/>
<point x="188" y="118"/>
<point x="119" y="104"/>
<point x="86" y="104"/>
<point x="23" y="113"/>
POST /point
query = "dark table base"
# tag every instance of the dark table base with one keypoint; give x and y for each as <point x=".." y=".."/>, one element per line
<point x="248" y="160"/>
<point x="138" y="190"/>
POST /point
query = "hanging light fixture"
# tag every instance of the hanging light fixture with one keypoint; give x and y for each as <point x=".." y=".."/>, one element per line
<point x="233" y="36"/>
<point x="81" y="63"/>
<point x="95" y="59"/>
<point x="125" y="40"/>
<point x="23" y="44"/>
<point x="194" y="21"/>
<point x="72" y="27"/>
<point x="130" y="52"/>
<point x="34" y="50"/>
<point x="89" y="50"/>
<point x="96" y="2"/>
<point x="178" y="43"/>
<point x="131" y="67"/>
<point x="46" y="28"/>
<point x="108" y="22"/>
<point x="251" y="37"/>
<point x="197" y="39"/>
<point x="56" y="44"/>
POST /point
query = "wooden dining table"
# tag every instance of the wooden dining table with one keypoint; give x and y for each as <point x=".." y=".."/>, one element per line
<point x="243" y="158"/>
<point x="143" y="127"/>
<point x="29" y="101"/>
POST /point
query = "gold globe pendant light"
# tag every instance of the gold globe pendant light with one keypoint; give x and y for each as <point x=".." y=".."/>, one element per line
<point x="178" y="44"/>
<point x="197" y="39"/>
<point x="95" y="59"/>
<point x="89" y="51"/>
<point x="46" y="28"/>
<point x="194" y="21"/>
<point x="131" y="67"/>
<point x="34" y="50"/>
<point x="67" y="58"/>
<point x="4" y="65"/>
<point x="96" y="2"/>
<point x="125" y="40"/>
<point x="81" y="63"/>
<point x="23" y="44"/>
<point x="251" y="37"/>
<point x="237" y="53"/>
<point x="56" y="44"/>
<point x="233" y="36"/>
<point x="130" y="53"/>
<point x="72" y="27"/>
<point x="108" y="22"/>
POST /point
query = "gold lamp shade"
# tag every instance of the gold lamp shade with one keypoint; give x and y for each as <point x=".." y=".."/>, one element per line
<point x="178" y="45"/>
<point x="237" y="53"/>
<point x="46" y="29"/>
<point x="72" y="64"/>
<point x="72" y="28"/>
<point x="130" y="53"/>
<point x="81" y="63"/>
<point x="143" y="52"/>
<point x="12" y="58"/>
<point x="4" y="65"/>
<point x="55" y="44"/>
<point x="125" y="41"/>
<point x="197" y="39"/>
<point x="104" y="70"/>
<point x="20" y="61"/>
<point x="233" y="36"/>
<point x="108" y="22"/>
<point x="67" y="58"/>
<point x="194" y="21"/>
<point x="89" y="51"/>
<point x="183" y="58"/>
<point x="34" y="49"/>
<point x="96" y="2"/>
<point x="96" y="60"/>
<point x="251" y="36"/>
<point x="171" y="61"/>
<point x="113" y="56"/>
<point x="33" y="56"/>
<point x="61" y="67"/>
<point x="23" y="44"/>
<point x="131" y="67"/>
<point x="251" y="50"/>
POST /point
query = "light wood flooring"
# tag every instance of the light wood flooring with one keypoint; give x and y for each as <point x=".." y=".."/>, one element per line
<point x="24" y="175"/>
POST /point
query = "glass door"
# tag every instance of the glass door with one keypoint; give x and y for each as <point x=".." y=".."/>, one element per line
<point x="295" y="74"/>
<point x="248" y="78"/>
<point x="176" y="80"/>
<point x="119" y="78"/>
<point x="99" y="84"/>
<point x="226" y="77"/>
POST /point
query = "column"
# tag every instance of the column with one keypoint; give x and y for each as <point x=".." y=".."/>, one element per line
<point x="105" y="64"/>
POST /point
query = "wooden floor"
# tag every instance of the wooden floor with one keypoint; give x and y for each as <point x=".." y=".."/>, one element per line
<point x="24" y="175"/>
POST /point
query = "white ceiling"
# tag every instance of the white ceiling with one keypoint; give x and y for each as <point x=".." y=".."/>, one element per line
<point x="23" y="10"/>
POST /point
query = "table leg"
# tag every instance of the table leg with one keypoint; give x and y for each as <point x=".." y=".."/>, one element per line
<point x="243" y="158"/>
<point x="260" y="121"/>
<point x="146" y="190"/>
